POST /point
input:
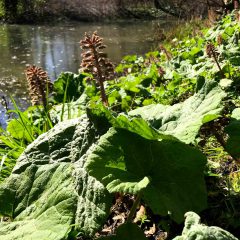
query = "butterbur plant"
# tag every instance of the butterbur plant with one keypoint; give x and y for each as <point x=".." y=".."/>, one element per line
<point x="212" y="53"/>
<point x="161" y="71"/>
<point x="95" y="61"/>
<point x="39" y="85"/>
<point x="166" y="52"/>
<point x="220" y="39"/>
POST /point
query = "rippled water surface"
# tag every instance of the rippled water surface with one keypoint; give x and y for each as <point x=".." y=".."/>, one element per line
<point x="56" y="49"/>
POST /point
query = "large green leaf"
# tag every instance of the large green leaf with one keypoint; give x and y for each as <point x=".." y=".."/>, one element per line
<point x="169" y="173"/>
<point x="68" y="87"/>
<point x="140" y="126"/>
<point x="233" y="131"/>
<point x="193" y="230"/>
<point x="49" y="191"/>
<point x="184" y="120"/>
<point x="20" y="130"/>
<point x="45" y="203"/>
<point x="103" y="116"/>
<point x="68" y="110"/>
<point x="127" y="231"/>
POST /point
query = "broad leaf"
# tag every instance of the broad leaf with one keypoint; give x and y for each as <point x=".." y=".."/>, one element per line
<point x="184" y="120"/>
<point x="68" y="87"/>
<point x="127" y="231"/>
<point x="140" y="126"/>
<point x="45" y="205"/>
<point x="233" y="131"/>
<point x="103" y="116"/>
<point x="20" y="130"/>
<point x="49" y="191"/>
<point x="193" y="229"/>
<point x="169" y="173"/>
<point x="69" y="110"/>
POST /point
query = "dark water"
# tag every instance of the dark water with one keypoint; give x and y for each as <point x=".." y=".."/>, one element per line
<point x="55" y="48"/>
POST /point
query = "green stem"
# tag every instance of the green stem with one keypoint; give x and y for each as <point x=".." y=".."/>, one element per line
<point x="216" y="61"/>
<point x="64" y="99"/>
<point x="134" y="207"/>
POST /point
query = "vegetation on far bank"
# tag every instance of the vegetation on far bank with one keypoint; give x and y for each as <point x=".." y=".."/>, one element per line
<point x="25" y="11"/>
<point x="126" y="151"/>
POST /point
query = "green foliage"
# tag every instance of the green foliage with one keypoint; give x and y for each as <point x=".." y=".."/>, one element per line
<point x="128" y="163"/>
<point x="49" y="191"/>
<point x="51" y="215"/>
<point x="184" y="120"/>
<point x="69" y="110"/>
<point x="68" y="87"/>
<point x="233" y="130"/>
<point x="26" y="126"/>
<point x="10" y="150"/>
<point x="20" y="131"/>
<point x="23" y="127"/>
<point x="194" y="230"/>
<point x="21" y="10"/>
<point x="126" y="168"/>
<point x="156" y="78"/>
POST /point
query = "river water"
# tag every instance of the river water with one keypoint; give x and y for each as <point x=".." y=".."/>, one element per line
<point x="56" y="49"/>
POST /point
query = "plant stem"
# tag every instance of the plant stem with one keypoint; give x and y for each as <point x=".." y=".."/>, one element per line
<point x="216" y="61"/>
<point x="134" y="207"/>
<point x="64" y="99"/>
<point x="100" y="77"/>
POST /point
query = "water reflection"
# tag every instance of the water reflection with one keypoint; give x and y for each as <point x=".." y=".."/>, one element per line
<point x="56" y="49"/>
